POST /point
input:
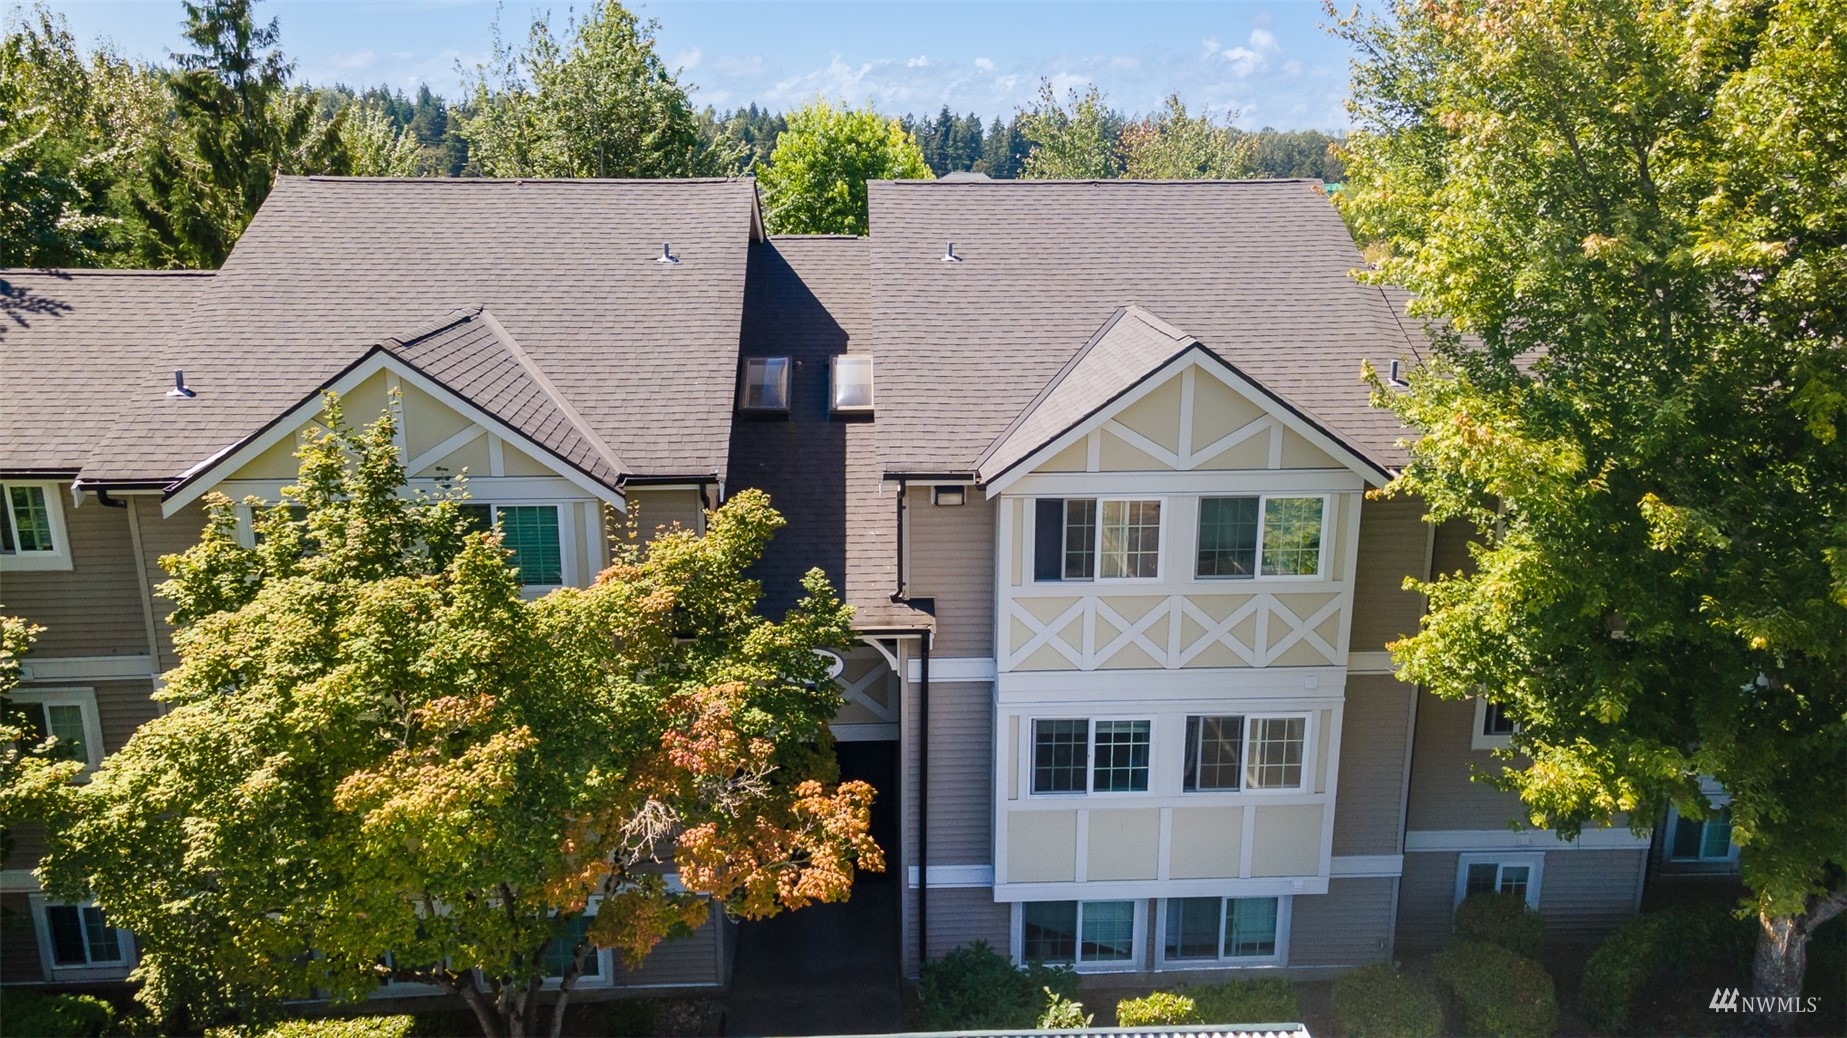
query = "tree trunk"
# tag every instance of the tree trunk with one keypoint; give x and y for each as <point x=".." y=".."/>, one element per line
<point x="491" y="1025"/>
<point x="1781" y="960"/>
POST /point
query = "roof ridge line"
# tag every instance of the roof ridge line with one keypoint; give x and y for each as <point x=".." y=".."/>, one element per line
<point x="1052" y="384"/>
<point x="423" y="331"/>
<point x="526" y="363"/>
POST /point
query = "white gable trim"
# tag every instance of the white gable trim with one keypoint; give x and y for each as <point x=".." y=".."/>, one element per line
<point x="1188" y="365"/>
<point x="198" y="481"/>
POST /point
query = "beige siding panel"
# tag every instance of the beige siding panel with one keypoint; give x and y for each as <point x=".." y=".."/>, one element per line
<point x="1204" y="842"/>
<point x="428" y="421"/>
<point x="1442" y="794"/>
<point x="1369" y="798"/>
<point x="950" y="557"/>
<point x="28" y="845"/>
<point x="1590" y="893"/>
<point x="94" y="608"/>
<point x="1427" y="900"/>
<point x="1393" y="537"/>
<point x="1041" y="846"/>
<point x="1298" y="453"/>
<point x="961" y="773"/>
<point x="122" y="707"/>
<point x="1123" y="844"/>
<point x="653" y="509"/>
<point x="166" y="537"/>
<point x="690" y="961"/>
<point x="1074" y="458"/>
<point x="19" y="961"/>
<point x="1350" y="925"/>
<point x="1450" y="554"/>
<point x="1286" y="840"/>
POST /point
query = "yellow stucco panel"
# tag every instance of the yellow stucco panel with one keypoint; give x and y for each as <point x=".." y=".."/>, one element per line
<point x="1205" y="842"/>
<point x="1286" y="840"/>
<point x="1219" y="410"/>
<point x="1157" y="415"/>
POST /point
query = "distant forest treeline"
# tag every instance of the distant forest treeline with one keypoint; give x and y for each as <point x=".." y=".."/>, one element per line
<point x="949" y="142"/>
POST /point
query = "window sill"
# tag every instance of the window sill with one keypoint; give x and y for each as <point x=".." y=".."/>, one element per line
<point x="47" y="562"/>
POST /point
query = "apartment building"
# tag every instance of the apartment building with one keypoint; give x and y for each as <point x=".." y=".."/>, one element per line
<point x="1089" y="459"/>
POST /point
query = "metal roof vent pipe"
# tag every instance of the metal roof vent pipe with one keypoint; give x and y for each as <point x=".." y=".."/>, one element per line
<point x="949" y="254"/>
<point x="180" y="389"/>
<point x="666" y="255"/>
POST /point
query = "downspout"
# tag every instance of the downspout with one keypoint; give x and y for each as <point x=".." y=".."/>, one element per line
<point x="103" y="497"/>
<point x="898" y="595"/>
<point x="923" y="798"/>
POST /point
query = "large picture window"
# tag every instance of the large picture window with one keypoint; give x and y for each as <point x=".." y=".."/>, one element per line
<point x="1081" y="756"/>
<point x="1077" y="933"/>
<point x="1220" y="928"/>
<point x="531" y="533"/>
<point x="1084" y="539"/>
<point x="1260" y="536"/>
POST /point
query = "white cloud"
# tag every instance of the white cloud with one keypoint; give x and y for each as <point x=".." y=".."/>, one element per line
<point x="354" y="61"/>
<point x="686" y="61"/>
<point x="1263" y="39"/>
<point x="920" y="61"/>
<point x="983" y="65"/>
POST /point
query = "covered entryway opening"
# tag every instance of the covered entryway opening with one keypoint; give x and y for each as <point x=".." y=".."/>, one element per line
<point x="830" y="969"/>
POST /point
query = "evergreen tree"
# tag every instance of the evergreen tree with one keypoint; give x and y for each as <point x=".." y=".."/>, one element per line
<point x="1004" y="149"/>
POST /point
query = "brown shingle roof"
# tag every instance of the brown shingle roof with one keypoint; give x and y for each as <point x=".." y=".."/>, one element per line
<point x="642" y="351"/>
<point x="76" y="348"/>
<point x="1256" y="270"/>
<point x="808" y="300"/>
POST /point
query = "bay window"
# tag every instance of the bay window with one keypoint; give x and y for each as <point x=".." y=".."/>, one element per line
<point x="1229" y="753"/>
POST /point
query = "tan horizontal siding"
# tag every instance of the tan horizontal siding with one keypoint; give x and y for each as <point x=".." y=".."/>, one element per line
<point x="28" y="845"/>
<point x="1393" y="541"/>
<point x="958" y="916"/>
<point x="692" y="960"/>
<point x="1369" y="801"/>
<point x="122" y="707"/>
<point x="94" y="608"/>
<point x="961" y="774"/>
<point x="166" y="537"/>
<point x="1349" y="925"/>
<point x="1450" y="552"/>
<point x="654" y="509"/>
<point x="950" y="557"/>
<point x="1442" y="793"/>
<point x="1590" y="893"/>
<point x="19" y="961"/>
<point x="1426" y="901"/>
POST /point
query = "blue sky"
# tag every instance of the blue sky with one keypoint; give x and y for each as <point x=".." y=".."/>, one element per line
<point x="1272" y="61"/>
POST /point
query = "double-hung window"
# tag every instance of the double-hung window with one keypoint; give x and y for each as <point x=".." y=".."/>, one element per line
<point x="1260" y="536"/>
<point x="1084" y="538"/>
<point x="1494" y="726"/>
<point x="1078" y="933"/>
<point x="80" y="937"/>
<point x="32" y="528"/>
<point x="1227" y="753"/>
<point x="66" y="715"/>
<point x="1215" y="928"/>
<point x="531" y="533"/>
<point x="1706" y="839"/>
<point x="1084" y="756"/>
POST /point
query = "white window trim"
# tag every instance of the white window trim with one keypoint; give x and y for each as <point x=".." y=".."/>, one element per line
<point x="1090" y="756"/>
<point x="833" y="385"/>
<point x="59" y="557"/>
<point x="55" y="971"/>
<point x="1138" y="951"/>
<point x="85" y="700"/>
<point x="1309" y="737"/>
<point x="1284" y="906"/>
<point x="1535" y="864"/>
<point x="1162" y="539"/>
<point x="1478" y="739"/>
<point x="1263" y="499"/>
<point x="1719" y="803"/>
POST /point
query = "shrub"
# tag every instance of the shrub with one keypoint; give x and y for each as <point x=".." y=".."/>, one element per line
<point x="1494" y="993"/>
<point x="1501" y="919"/>
<point x="1266" y="1000"/>
<point x="1380" y="1002"/>
<point x="1658" y="945"/>
<point x="36" y="1014"/>
<point x="977" y="987"/>
<point x="1062" y="1014"/>
<point x="325" y="1027"/>
<point x="1161" y="1007"/>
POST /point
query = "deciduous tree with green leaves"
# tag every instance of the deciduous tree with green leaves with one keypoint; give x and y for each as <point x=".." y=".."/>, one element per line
<point x="815" y="182"/>
<point x="1175" y="145"/>
<point x="379" y="762"/>
<point x="598" y="103"/>
<point x="1072" y="139"/>
<point x="1629" y="219"/>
